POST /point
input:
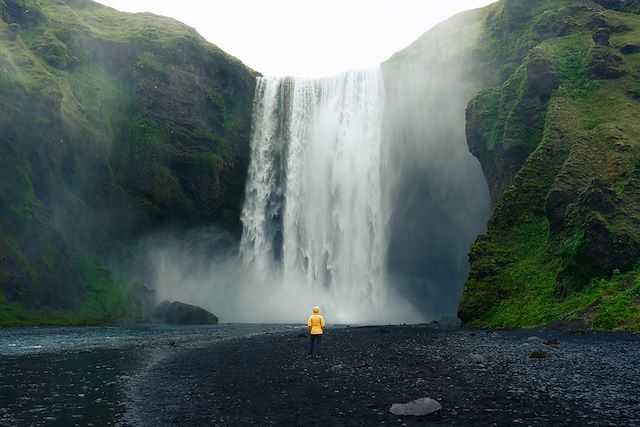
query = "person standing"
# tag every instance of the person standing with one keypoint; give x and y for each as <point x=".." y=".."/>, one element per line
<point x="316" y="329"/>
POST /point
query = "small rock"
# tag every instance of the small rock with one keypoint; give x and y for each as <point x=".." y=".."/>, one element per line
<point x="476" y="359"/>
<point x="418" y="407"/>
<point x="539" y="354"/>
<point x="420" y="381"/>
<point x="551" y="341"/>
<point x="533" y="338"/>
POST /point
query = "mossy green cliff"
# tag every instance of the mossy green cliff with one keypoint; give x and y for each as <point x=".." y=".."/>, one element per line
<point x="559" y="142"/>
<point x="112" y="125"/>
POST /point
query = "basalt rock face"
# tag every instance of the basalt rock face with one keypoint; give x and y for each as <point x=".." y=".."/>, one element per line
<point x="435" y="188"/>
<point x="558" y="143"/>
<point x="112" y="125"/>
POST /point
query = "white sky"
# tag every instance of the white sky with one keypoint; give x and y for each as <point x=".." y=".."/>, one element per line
<point x="307" y="38"/>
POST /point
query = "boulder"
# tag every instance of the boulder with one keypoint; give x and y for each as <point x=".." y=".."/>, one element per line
<point x="179" y="313"/>
<point x="418" y="407"/>
<point x="601" y="36"/>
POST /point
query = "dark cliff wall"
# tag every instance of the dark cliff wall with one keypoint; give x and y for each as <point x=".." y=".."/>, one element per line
<point x="112" y="125"/>
<point x="435" y="189"/>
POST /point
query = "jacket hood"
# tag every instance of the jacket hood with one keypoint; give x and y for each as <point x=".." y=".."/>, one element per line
<point x="316" y="309"/>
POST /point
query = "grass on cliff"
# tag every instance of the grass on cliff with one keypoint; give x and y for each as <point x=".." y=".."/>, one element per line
<point x="613" y="304"/>
<point x="108" y="298"/>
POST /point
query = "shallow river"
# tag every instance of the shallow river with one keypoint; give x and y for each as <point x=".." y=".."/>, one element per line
<point x="83" y="376"/>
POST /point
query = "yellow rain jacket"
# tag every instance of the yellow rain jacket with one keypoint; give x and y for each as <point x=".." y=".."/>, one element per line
<point x="316" y="322"/>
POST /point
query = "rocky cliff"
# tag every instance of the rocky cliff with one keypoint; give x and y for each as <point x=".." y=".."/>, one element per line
<point x="112" y="125"/>
<point x="558" y="139"/>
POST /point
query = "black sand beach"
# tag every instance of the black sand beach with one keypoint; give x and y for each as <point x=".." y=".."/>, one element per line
<point x="591" y="379"/>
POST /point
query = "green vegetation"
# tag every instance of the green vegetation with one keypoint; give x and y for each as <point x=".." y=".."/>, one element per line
<point x="558" y="142"/>
<point x="610" y="304"/>
<point x="112" y="125"/>
<point x="108" y="298"/>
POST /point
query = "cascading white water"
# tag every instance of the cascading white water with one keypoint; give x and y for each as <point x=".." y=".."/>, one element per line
<point x="313" y="219"/>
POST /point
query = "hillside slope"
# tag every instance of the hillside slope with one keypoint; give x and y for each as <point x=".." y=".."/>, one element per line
<point x="112" y="125"/>
<point x="559" y="143"/>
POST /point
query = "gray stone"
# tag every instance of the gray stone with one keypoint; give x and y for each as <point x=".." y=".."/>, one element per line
<point x="476" y="359"/>
<point x="418" y="407"/>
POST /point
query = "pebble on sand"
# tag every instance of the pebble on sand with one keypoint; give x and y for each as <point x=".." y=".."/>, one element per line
<point x="418" y="407"/>
<point x="539" y="354"/>
<point x="476" y="359"/>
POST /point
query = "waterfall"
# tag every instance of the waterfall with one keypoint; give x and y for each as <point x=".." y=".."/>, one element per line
<point x="313" y="215"/>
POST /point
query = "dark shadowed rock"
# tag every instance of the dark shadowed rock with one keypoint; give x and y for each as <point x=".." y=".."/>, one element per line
<point x="551" y="341"/>
<point x="179" y="313"/>
<point x="418" y="407"/>
<point x="630" y="48"/>
<point x="601" y="36"/>
<point x="540" y="75"/>
<point x="627" y="6"/>
<point x="606" y="64"/>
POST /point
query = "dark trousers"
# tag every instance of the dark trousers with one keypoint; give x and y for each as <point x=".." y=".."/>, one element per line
<point x="315" y="340"/>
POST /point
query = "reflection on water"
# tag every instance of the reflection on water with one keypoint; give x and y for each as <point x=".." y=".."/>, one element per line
<point x="81" y="376"/>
